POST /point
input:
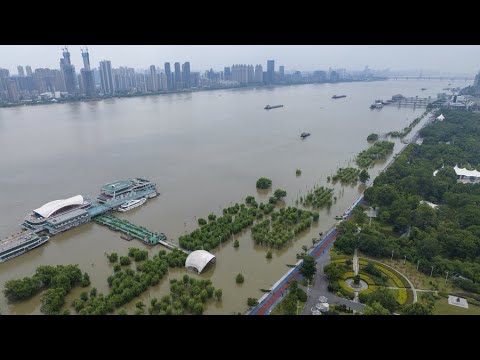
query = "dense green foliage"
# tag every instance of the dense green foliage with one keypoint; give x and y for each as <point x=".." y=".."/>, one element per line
<point x="375" y="308"/>
<point x="377" y="151"/>
<point x="347" y="175"/>
<point x="298" y="172"/>
<point x="125" y="260"/>
<point x="372" y="137"/>
<point x="309" y="267"/>
<point x="187" y="296"/>
<point x="381" y="295"/>
<point x="279" y="194"/>
<point x="288" y="306"/>
<point x="447" y="238"/>
<point x="113" y="257"/>
<point x="137" y="254"/>
<point x="236" y="243"/>
<point x="202" y="222"/>
<point x="234" y="220"/>
<point x="269" y="254"/>
<point x="127" y="284"/>
<point x="58" y="280"/>
<point x="319" y="197"/>
<point x="264" y="183"/>
<point x="239" y="279"/>
<point x="418" y="308"/>
<point x="85" y="280"/>
<point x="364" y="175"/>
<point x="252" y="302"/>
<point x="283" y="227"/>
<point x="212" y="217"/>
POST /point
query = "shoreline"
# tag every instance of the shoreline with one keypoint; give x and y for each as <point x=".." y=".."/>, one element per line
<point x="271" y="299"/>
<point x="185" y="91"/>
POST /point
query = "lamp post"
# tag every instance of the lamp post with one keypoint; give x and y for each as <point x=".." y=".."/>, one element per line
<point x="446" y="277"/>
<point x="405" y="260"/>
<point x="431" y="272"/>
<point x="418" y="263"/>
<point x="392" y="256"/>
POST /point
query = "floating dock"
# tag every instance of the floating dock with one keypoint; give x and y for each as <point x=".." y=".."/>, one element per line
<point x="135" y="231"/>
<point x="130" y="229"/>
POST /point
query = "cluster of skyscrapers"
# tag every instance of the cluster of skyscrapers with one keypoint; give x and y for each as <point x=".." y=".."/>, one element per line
<point x="107" y="81"/>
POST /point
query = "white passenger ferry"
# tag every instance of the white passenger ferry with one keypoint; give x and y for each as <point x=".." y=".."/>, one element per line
<point x="129" y="205"/>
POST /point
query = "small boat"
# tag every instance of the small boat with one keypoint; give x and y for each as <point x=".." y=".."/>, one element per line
<point x="338" y="96"/>
<point x="424" y="89"/>
<point x="268" y="107"/>
<point x="377" y="105"/>
<point x="304" y="135"/>
<point x="265" y="290"/>
<point x="132" y="204"/>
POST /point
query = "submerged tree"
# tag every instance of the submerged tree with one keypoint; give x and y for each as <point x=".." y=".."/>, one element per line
<point x="264" y="183"/>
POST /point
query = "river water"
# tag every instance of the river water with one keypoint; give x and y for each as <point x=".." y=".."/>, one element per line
<point x="205" y="151"/>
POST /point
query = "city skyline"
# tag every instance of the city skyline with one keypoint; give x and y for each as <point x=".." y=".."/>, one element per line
<point x="294" y="57"/>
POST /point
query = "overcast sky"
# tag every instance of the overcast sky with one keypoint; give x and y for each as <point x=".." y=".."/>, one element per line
<point x="464" y="59"/>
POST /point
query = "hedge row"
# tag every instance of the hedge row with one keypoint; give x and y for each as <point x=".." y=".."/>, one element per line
<point x="344" y="257"/>
<point x="402" y="296"/>
<point x="409" y="296"/>
<point x="400" y="281"/>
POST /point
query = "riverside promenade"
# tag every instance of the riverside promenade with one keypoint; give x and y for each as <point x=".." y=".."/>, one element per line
<point x="280" y="288"/>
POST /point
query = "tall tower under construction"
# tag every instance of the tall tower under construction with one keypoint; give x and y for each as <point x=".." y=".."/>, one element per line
<point x="87" y="75"/>
<point x="68" y="71"/>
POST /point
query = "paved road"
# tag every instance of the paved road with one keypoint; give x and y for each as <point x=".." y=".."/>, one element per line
<point x="319" y="288"/>
<point x="356" y="268"/>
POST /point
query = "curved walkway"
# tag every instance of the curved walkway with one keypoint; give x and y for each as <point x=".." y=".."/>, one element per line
<point x="406" y="278"/>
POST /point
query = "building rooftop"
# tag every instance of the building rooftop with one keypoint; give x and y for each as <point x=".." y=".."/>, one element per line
<point x="198" y="260"/>
<point x="116" y="186"/>
<point x="51" y="207"/>
<point x="465" y="172"/>
<point x="67" y="216"/>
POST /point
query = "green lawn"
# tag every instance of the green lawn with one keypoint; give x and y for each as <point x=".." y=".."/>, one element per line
<point x="419" y="279"/>
<point x="442" y="308"/>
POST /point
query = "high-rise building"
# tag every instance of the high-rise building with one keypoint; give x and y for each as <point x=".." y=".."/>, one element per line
<point x="68" y="72"/>
<point x="178" y="77"/>
<point x="21" y="73"/>
<point x="141" y="84"/>
<point x="240" y="74"/>
<point x="186" y="75"/>
<point x="227" y="75"/>
<point x="258" y="73"/>
<point x="12" y="90"/>
<point x="250" y="74"/>
<point x="88" y="80"/>
<point x="106" y="77"/>
<point x="153" y="77"/>
<point x="270" y="71"/>
<point x="476" y="84"/>
<point x="4" y="74"/>
<point x="282" y="73"/>
<point x="29" y="70"/>
<point x="168" y="74"/>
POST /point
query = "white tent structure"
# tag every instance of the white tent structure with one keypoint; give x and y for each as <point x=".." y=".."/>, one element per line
<point x="53" y="206"/>
<point x="440" y="117"/>
<point x="198" y="259"/>
<point x="464" y="173"/>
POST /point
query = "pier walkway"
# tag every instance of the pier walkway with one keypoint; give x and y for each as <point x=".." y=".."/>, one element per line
<point x="130" y="229"/>
<point x="134" y="231"/>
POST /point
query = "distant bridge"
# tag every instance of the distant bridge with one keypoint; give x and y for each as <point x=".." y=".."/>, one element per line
<point x="451" y="78"/>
